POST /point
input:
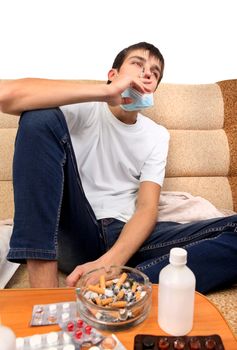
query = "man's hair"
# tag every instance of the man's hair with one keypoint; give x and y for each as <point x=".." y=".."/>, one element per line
<point x="154" y="51"/>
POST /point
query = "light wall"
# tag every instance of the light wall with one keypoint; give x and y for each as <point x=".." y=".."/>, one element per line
<point x="75" y="39"/>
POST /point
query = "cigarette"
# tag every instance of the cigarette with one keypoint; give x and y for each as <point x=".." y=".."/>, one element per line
<point x="109" y="283"/>
<point x="119" y="304"/>
<point x="98" y="301"/>
<point x="96" y="289"/>
<point x="120" y="294"/>
<point x="106" y="301"/>
<point x="134" y="287"/>
<point x="102" y="282"/>
<point x="121" y="280"/>
<point x="138" y="295"/>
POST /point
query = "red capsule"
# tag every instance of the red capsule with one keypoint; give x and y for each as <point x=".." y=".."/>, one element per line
<point x="70" y="326"/>
<point x="88" y="329"/>
<point x="78" y="334"/>
<point x="79" y="323"/>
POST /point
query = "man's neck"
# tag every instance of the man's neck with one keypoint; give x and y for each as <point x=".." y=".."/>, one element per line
<point x="124" y="116"/>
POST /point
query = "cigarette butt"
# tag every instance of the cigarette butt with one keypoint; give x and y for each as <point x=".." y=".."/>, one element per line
<point x="106" y="301"/>
<point x="98" y="301"/>
<point x="121" y="280"/>
<point x="138" y="295"/>
<point x="95" y="289"/>
<point x="120" y="294"/>
<point x="134" y="287"/>
<point x="119" y="304"/>
<point x="109" y="283"/>
<point x="102" y="282"/>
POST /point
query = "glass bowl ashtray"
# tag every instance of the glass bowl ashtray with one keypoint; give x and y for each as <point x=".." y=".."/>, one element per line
<point x="114" y="298"/>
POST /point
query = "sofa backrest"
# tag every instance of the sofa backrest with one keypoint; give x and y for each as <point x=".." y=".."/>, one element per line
<point x="202" y="160"/>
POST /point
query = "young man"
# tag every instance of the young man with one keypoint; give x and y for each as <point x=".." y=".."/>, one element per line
<point x="87" y="181"/>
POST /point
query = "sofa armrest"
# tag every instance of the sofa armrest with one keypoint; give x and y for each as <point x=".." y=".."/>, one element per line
<point x="229" y="93"/>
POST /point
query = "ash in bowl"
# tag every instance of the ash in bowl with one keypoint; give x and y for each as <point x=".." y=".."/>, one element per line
<point x="114" y="298"/>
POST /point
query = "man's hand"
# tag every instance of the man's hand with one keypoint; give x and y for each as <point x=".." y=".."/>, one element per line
<point x="80" y="270"/>
<point x="120" y="83"/>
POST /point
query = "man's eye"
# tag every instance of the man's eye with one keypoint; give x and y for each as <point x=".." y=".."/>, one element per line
<point x="155" y="74"/>
<point x="138" y="63"/>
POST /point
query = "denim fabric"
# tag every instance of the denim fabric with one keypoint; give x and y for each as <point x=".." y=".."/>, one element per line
<point x="54" y="220"/>
<point x="50" y="205"/>
<point x="211" y="246"/>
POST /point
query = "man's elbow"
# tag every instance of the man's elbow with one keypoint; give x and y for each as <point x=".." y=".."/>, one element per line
<point x="6" y="96"/>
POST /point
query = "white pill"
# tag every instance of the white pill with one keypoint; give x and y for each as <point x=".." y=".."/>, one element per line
<point x="35" y="340"/>
<point x="66" y="306"/>
<point x="20" y="343"/>
<point x="52" y="308"/>
<point x="52" y="338"/>
<point x="69" y="347"/>
<point x="66" y="338"/>
<point x="65" y="316"/>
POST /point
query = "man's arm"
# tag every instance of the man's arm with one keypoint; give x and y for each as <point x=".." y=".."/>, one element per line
<point x="134" y="233"/>
<point x="21" y="95"/>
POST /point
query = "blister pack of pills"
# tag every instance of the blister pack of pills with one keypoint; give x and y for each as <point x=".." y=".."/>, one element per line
<point x="56" y="313"/>
<point x="155" y="342"/>
<point x="69" y="341"/>
<point x="47" y="341"/>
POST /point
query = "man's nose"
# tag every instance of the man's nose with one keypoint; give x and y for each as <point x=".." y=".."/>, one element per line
<point x="146" y="72"/>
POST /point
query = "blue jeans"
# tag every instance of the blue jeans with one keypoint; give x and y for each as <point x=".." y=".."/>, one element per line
<point x="54" y="220"/>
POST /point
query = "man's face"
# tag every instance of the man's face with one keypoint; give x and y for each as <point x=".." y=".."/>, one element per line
<point x="139" y="63"/>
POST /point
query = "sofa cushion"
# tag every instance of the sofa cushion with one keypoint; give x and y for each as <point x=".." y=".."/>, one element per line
<point x="7" y="137"/>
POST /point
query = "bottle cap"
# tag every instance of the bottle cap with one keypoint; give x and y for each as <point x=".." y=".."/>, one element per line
<point x="178" y="256"/>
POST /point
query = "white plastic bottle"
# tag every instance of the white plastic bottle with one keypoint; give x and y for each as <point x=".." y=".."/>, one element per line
<point x="7" y="338"/>
<point x="176" y="295"/>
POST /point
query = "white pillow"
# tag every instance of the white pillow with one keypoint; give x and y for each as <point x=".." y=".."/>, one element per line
<point x="7" y="269"/>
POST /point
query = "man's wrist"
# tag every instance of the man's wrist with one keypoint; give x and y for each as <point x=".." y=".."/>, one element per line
<point x="112" y="258"/>
<point x="104" y="93"/>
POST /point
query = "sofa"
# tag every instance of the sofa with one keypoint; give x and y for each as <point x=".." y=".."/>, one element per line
<point x="202" y="160"/>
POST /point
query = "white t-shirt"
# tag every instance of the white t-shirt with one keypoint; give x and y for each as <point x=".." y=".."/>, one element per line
<point x="114" y="157"/>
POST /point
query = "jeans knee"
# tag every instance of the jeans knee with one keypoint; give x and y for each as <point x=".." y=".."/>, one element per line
<point x="35" y="119"/>
<point x="42" y="122"/>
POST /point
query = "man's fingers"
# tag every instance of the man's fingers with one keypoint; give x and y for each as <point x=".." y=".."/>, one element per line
<point x="126" y="100"/>
<point x="74" y="276"/>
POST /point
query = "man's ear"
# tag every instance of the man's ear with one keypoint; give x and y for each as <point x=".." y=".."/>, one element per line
<point x="112" y="73"/>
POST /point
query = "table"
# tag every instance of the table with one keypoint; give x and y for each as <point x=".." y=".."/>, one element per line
<point x="16" y="310"/>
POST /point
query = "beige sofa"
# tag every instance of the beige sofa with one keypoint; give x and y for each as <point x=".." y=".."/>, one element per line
<point x="202" y="120"/>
